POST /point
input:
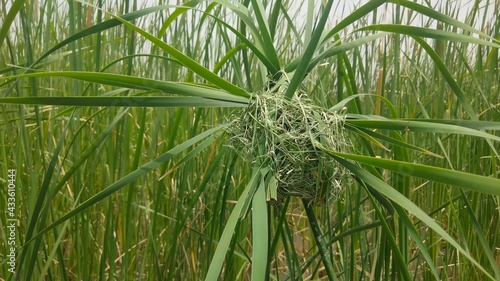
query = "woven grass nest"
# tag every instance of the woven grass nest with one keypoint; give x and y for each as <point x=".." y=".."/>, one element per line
<point x="290" y="137"/>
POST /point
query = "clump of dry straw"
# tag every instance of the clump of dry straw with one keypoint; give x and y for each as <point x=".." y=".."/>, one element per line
<point x="290" y="137"/>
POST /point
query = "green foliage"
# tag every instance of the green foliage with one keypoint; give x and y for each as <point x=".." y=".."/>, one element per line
<point x="115" y="118"/>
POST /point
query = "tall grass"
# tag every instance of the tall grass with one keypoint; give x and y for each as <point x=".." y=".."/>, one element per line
<point x="115" y="126"/>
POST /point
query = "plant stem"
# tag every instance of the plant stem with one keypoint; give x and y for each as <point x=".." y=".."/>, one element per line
<point x="320" y="240"/>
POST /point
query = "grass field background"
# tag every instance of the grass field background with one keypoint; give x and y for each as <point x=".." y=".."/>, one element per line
<point x="115" y="185"/>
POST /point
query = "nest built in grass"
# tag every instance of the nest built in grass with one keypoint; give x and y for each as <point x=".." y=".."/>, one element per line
<point x="291" y="138"/>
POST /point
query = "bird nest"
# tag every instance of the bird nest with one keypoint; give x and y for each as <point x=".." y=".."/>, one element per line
<point x="291" y="136"/>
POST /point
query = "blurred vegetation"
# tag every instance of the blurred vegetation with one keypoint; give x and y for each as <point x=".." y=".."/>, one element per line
<point x="131" y="188"/>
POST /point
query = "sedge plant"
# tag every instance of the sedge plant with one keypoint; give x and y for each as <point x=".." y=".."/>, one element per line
<point x="233" y="140"/>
